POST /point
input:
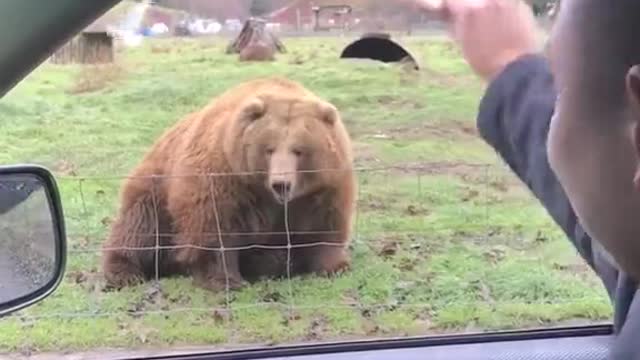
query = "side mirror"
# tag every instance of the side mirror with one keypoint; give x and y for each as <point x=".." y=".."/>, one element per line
<point x="32" y="236"/>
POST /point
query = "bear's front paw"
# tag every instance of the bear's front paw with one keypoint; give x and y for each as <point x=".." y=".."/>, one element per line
<point x="332" y="263"/>
<point x="119" y="280"/>
<point x="339" y="268"/>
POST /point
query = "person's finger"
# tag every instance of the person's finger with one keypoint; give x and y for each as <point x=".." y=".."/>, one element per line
<point x="459" y="6"/>
<point x="432" y="7"/>
<point x="432" y="4"/>
<point x="438" y="9"/>
<point x="455" y="13"/>
<point x="445" y="10"/>
<point x="453" y="10"/>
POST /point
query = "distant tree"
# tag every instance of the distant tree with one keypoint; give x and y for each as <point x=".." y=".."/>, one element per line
<point x="259" y="7"/>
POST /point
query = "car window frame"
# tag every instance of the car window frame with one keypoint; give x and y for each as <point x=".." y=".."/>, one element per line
<point x="21" y="52"/>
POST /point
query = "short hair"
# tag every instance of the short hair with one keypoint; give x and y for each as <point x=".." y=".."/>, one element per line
<point x="608" y="42"/>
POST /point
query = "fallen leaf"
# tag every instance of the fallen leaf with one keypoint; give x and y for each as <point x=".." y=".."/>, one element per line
<point x="407" y="264"/>
<point x="317" y="328"/>
<point x="541" y="238"/>
<point x="106" y="221"/>
<point x="78" y="277"/>
<point x="272" y="297"/>
<point x="365" y="312"/>
<point x="221" y="315"/>
<point x="390" y="248"/>
<point x="560" y="267"/>
<point x="494" y="255"/>
<point x="413" y="210"/>
<point x="371" y="328"/>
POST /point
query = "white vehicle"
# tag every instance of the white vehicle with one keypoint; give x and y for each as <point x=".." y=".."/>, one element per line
<point x="159" y="29"/>
<point x="204" y="26"/>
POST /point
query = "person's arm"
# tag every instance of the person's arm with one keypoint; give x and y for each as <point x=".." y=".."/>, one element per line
<point x="497" y="38"/>
<point x="514" y="118"/>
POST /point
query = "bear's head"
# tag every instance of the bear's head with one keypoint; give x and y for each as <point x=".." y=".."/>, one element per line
<point x="290" y="146"/>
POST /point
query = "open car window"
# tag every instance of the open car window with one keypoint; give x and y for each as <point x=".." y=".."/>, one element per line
<point x="444" y="239"/>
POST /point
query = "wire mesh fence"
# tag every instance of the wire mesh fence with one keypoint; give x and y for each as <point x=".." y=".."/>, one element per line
<point x="433" y="247"/>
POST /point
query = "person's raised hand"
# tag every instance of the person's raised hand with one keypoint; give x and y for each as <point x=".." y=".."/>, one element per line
<point x="491" y="33"/>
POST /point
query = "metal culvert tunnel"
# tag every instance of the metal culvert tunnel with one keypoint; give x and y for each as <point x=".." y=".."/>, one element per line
<point x="378" y="48"/>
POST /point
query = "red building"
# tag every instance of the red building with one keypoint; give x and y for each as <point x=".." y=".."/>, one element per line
<point x="302" y="11"/>
<point x="289" y="13"/>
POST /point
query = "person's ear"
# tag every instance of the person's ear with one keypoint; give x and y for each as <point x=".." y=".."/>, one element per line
<point x="633" y="94"/>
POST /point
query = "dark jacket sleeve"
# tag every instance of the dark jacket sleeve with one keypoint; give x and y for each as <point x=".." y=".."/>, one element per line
<point x="514" y="118"/>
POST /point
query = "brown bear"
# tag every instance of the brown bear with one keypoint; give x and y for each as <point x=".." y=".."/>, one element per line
<point x="260" y="182"/>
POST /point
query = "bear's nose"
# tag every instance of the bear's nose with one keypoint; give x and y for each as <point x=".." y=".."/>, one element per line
<point x="281" y="188"/>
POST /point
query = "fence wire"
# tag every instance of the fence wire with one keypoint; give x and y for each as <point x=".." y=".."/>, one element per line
<point x="385" y="197"/>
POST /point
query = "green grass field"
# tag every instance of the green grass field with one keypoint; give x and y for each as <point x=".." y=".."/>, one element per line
<point x="446" y="241"/>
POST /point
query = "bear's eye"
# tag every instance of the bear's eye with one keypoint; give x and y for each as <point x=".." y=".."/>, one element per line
<point x="297" y="152"/>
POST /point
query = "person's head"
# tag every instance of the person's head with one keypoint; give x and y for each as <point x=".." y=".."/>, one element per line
<point x="594" y="139"/>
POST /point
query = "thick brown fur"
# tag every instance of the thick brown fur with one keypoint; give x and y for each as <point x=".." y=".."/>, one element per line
<point x="187" y="195"/>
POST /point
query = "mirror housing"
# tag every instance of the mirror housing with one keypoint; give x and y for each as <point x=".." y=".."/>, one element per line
<point x="32" y="236"/>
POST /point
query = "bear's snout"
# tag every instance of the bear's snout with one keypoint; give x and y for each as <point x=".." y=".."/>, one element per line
<point x="283" y="175"/>
<point x="282" y="190"/>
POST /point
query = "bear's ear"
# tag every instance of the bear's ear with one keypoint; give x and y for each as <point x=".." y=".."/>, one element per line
<point x="328" y="112"/>
<point x="253" y="109"/>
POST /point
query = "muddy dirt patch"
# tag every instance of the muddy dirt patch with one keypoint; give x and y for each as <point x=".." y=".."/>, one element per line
<point x="450" y="129"/>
